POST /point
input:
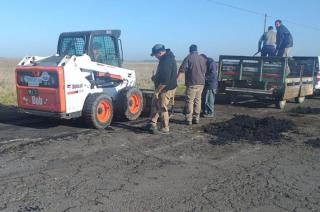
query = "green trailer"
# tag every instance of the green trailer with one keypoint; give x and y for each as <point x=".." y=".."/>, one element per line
<point x="276" y="78"/>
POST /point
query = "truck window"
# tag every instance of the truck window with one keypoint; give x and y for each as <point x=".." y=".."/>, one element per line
<point x="72" y="46"/>
<point x="103" y="50"/>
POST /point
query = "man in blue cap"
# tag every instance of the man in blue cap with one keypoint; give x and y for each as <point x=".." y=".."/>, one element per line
<point x="165" y="81"/>
<point x="96" y="55"/>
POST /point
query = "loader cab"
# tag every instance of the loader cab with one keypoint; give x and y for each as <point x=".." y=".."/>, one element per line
<point x="103" y="46"/>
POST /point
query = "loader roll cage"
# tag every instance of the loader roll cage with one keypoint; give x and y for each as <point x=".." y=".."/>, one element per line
<point x="83" y="42"/>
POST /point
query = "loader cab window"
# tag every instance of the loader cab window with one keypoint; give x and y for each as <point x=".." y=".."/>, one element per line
<point x="72" y="46"/>
<point x="103" y="50"/>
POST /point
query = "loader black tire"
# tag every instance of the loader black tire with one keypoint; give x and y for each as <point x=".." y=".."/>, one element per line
<point x="98" y="111"/>
<point x="129" y="103"/>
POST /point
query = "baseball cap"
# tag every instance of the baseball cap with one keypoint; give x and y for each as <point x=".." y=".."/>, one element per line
<point x="193" y="48"/>
<point x="157" y="48"/>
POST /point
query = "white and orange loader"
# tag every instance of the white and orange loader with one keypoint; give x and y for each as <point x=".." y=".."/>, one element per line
<point x="77" y="83"/>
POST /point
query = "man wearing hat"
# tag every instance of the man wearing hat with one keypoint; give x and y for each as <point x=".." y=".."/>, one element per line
<point x="268" y="41"/>
<point x="165" y="81"/>
<point x="194" y="67"/>
<point x="96" y="53"/>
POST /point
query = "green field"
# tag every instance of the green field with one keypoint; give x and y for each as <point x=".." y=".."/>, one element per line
<point x="143" y="70"/>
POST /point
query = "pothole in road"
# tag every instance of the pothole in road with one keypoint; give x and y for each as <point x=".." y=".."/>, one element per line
<point x="250" y="129"/>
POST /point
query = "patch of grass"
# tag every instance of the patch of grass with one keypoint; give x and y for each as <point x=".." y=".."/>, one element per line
<point x="180" y="89"/>
<point x="8" y="98"/>
<point x="144" y="71"/>
<point x="7" y="81"/>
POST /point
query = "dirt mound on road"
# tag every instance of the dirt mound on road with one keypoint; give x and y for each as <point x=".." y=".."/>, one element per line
<point x="253" y="130"/>
<point x="305" y="110"/>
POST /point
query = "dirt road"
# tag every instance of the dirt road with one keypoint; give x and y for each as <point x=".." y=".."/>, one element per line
<point x="51" y="165"/>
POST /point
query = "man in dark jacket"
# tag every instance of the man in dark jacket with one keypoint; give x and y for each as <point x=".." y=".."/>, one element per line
<point x="210" y="88"/>
<point x="165" y="81"/>
<point x="284" y="40"/>
<point x="194" y="67"/>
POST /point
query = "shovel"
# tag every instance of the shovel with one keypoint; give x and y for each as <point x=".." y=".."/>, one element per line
<point x="256" y="53"/>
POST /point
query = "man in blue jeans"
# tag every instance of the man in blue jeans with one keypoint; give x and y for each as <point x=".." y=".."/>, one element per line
<point x="268" y="39"/>
<point x="210" y="88"/>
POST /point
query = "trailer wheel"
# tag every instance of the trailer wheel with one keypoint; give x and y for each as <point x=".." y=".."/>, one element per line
<point x="98" y="111"/>
<point x="129" y="103"/>
<point x="299" y="99"/>
<point x="280" y="104"/>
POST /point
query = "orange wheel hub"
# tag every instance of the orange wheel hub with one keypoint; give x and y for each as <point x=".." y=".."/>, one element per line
<point x="134" y="104"/>
<point x="103" y="111"/>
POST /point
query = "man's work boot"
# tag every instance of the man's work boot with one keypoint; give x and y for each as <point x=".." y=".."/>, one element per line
<point x="195" y="121"/>
<point x="165" y="130"/>
<point x="153" y="129"/>
<point x="188" y="122"/>
<point x="211" y="115"/>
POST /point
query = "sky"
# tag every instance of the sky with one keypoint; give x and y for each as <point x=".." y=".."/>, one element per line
<point x="217" y="27"/>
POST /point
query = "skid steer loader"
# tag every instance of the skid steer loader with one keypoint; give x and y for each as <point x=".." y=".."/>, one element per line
<point x="84" y="79"/>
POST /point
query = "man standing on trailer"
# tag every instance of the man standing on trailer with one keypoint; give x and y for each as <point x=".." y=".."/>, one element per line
<point x="284" y="40"/>
<point x="165" y="81"/>
<point x="268" y="39"/>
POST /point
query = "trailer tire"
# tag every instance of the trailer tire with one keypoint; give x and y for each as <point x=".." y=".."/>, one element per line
<point x="299" y="99"/>
<point x="98" y="111"/>
<point x="129" y="103"/>
<point x="280" y="104"/>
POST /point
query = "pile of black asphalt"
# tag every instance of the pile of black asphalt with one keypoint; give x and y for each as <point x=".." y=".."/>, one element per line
<point x="249" y="129"/>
